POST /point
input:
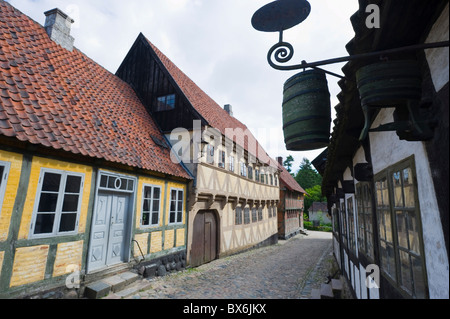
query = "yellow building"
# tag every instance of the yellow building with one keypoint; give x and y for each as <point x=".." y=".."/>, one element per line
<point x="87" y="185"/>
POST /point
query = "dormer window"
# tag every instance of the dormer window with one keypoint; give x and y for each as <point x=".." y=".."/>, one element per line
<point x="165" y="103"/>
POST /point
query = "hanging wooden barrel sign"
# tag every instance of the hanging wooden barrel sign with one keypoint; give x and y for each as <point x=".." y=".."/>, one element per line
<point x="386" y="84"/>
<point x="307" y="111"/>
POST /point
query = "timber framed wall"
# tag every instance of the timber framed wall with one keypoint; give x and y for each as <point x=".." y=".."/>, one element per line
<point x="32" y="265"/>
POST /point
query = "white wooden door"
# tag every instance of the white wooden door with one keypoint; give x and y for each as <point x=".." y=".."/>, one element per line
<point x="118" y="222"/>
<point x="109" y="229"/>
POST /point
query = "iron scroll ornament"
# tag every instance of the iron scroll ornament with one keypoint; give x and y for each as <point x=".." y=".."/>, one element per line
<point x="281" y="15"/>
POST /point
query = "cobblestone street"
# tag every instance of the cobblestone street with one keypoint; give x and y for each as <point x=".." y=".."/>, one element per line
<point x="288" y="270"/>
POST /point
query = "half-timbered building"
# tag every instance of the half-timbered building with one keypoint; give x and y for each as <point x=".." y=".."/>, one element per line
<point x="232" y="202"/>
<point x="385" y="173"/>
<point x="87" y="185"/>
<point x="291" y="205"/>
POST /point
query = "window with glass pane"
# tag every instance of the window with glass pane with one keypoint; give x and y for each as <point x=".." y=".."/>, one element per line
<point x="400" y="233"/>
<point x="365" y="230"/>
<point x="231" y="164"/>
<point x="165" y="103"/>
<point x="254" y="216"/>
<point x="246" y="215"/>
<point x="238" y="216"/>
<point x="222" y="159"/>
<point x="210" y="154"/>
<point x="260" y="214"/>
<point x="344" y="223"/>
<point x="351" y="225"/>
<point x="385" y="228"/>
<point x="243" y="169"/>
<point x="408" y="233"/>
<point x="250" y="172"/>
<point x="176" y="206"/>
<point x="151" y="205"/>
<point x="58" y="206"/>
<point x="4" y="169"/>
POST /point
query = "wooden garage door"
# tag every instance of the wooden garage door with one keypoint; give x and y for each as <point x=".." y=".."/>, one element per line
<point x="204" y="243"/>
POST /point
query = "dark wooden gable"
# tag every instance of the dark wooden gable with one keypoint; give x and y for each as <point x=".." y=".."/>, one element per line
<point x="144" y="71"/>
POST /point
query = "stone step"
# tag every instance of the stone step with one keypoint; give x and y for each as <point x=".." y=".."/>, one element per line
<point x="104" y="287"/>
<point x="326" y="292"/>
<point x="337" y="286"/>
<point x="131" y="290"/>
<point x="315" y="294"/>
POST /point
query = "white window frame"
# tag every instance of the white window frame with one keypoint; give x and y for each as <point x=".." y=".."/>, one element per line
<point x="231" y="164"/>
<point x="151" y="225"/>
<point x="59" y="205"/>
<point x="176" y="205"/>
<point x="243" y="169"/>
<point x="222" y="159"/>
<point x="4" y="182"/>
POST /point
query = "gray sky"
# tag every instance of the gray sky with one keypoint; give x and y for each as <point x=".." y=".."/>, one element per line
<point x="214" y="43"/>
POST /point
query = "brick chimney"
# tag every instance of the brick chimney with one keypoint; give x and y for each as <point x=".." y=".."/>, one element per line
<point x="57" y="25"/>
<point x="280" y="160"/>
<point x="229" y="109"/>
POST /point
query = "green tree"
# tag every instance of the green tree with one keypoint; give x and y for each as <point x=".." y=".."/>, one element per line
<point x="314" y="195"/>
<point x="288" y="163"/>
<point x="307" y="176"/>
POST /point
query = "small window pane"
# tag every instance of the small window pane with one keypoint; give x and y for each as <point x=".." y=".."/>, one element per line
<point x="398" y="198"/>
<point x="73" y="184"/>
<point x="47" y="203"/>
<point x="402" y="231"/>
<point x="111" y="182"/>
<point x="103" y="181"/>
<point x="405" y="271"/>
<point x="418" y="278"/>
<point x="145" y="218"/>
<point x="146" y="207"/>
<point x="70" y="203"/>
<point x="147" y="192"/>
<point x="408" y="188"/>
<point x="156" y="193"/>
<point x="68" y="222"/>
<point x="2" y="169"/>
<point x="51" y="182"/>
<point x="130" y="185"/>
<point x="155" y="219"/>
<point x="123" y="186"/>
<point x="155" y="205"/>
<point x="44" y="224"/>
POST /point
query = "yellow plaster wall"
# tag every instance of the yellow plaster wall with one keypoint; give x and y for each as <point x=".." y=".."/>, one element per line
<point x="29" y="265"/>
<point x="12" y="185"/>
<point x="39" y="163"/>
<point x="142" y="239"/>
<point x="156" y="242"/>
<point x="181" y="240"/>
<point x="169" y="238"/>
<point x="2" y="256"/>
<point x="68" y="258"/>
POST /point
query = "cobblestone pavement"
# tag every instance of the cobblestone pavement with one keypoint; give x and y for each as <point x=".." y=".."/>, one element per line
<point x="288" y="270"/>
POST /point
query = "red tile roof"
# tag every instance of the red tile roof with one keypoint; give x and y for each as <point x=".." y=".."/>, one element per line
<point x="290" y="182"/>
<point x="60" y="99"/>
<point x="213" y="113"/>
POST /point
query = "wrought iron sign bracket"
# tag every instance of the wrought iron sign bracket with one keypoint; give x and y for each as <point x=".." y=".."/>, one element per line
<point x="283" y="52"/>
<point x="282" y="15"/>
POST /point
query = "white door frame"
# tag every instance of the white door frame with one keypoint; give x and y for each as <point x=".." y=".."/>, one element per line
<point x="117" y="188"/>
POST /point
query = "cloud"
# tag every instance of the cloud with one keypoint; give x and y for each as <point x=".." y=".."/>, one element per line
<point x="213" y="42"/>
